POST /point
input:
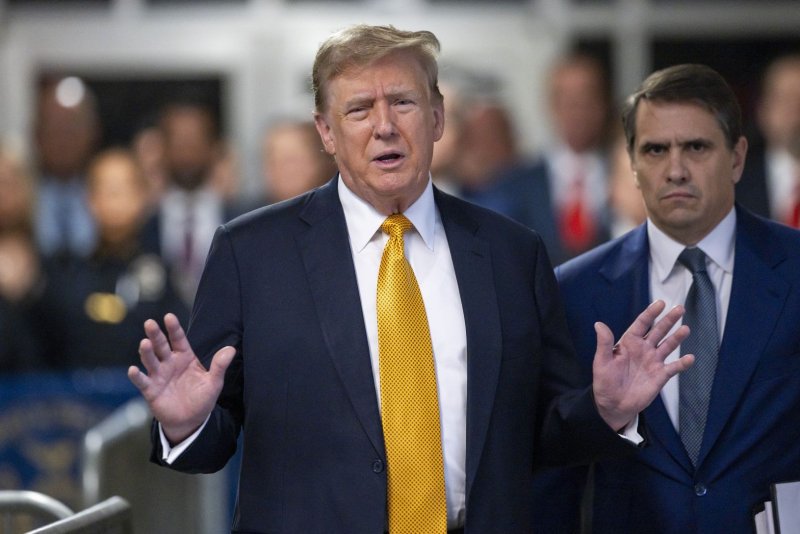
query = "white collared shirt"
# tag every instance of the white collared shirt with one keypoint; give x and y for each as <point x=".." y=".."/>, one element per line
<point x="429" y="255"/>
<point x="670" y="281"/>
<point x="565" y="165"/>
<point x="782" y="179"/>
<point x="207" y="213"/>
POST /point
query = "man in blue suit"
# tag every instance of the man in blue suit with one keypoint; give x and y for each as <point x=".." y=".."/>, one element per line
<point x="286" y="326"/>
<point x="684" y="137"/>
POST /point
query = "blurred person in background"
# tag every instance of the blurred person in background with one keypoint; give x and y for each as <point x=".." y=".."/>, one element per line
<point x="563" y="193"/>
<point x="66" y="133"/>
<point x="225" y="174"/>
<point x="568" y="195"/>
<point x="627" y="210"/>
<point x="94" y="307"/>
<point x="148" y="147"/>
<point x="20" y="345"/>
<point x="491" y="173"/>
<point x="446" y="151"/>
<point x="190" y="209"/>
<point x="486" y="148"/>
<point x="771" y="182"/>
<point x="293" y="160"/>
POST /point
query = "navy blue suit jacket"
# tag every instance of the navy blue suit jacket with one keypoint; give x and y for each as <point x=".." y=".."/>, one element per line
<point x="753" y="433"/>
<point x="280" y="286"/>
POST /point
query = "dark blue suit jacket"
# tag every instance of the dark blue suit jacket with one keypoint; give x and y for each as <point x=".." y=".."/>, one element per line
<point x="280" y="286"/>
<point x="753" y="434"/>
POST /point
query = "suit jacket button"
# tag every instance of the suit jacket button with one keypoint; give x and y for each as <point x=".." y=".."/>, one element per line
<point x="377" y="466"/>
<point x="700" y="489"/>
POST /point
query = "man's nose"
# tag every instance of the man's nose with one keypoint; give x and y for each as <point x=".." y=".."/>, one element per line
<point x="677" y="170"/>
<point x="383" y="121"/>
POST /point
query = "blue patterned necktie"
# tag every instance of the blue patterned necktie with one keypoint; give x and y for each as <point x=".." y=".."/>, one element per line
<point x="703" y="341"/>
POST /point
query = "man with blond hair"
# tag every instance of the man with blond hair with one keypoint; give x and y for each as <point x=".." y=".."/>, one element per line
<point x="396" y="358"/>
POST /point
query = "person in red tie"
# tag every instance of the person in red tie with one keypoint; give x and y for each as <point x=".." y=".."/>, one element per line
<point x="793" y="218"/>
<point x="770" y="185"/>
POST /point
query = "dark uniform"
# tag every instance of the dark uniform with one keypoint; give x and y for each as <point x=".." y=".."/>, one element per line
<point x="94" y="308"/>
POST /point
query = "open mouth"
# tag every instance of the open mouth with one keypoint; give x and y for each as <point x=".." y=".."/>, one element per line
<point x="389" y="158"/>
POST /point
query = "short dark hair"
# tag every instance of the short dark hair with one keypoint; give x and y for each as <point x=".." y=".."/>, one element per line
<point x="689" y="83"/>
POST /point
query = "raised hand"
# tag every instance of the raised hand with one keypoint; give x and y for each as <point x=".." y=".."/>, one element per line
<point x="626" y="377"/>
<point x="180" y="392"/>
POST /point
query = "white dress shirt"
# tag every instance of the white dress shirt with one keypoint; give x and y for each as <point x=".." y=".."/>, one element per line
<point x="198" y="213"/>
<point x="783" y="173"/>
<point x="670" y="281"/>
<point x="429" y="255"/>
<point x="565" y="166"/>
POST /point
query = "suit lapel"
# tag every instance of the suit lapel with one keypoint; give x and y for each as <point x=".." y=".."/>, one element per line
<point x="628" y="273"/>
<point x="757" y="296"/>
<point x="325" y="248"/>
<point x="473" y="267"/>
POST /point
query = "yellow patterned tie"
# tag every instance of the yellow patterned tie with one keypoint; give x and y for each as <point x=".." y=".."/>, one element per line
<point x="409" y="400"/>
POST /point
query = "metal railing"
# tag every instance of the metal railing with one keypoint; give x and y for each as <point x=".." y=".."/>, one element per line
<point x="112" y="516"/>
<point x="115" y="462"/>
<point x="32" y="505"/>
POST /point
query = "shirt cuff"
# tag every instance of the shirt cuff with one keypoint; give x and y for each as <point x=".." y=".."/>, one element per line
<point x="631" y="432"/>
<point x="169" y="453"/>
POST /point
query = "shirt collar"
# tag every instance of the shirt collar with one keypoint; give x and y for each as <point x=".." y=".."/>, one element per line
<point x="718" y="245"/>
<point x="364" y="221"/>
<point x="202" y="195"/>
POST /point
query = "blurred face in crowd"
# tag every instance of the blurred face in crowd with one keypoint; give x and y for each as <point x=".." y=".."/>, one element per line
<point x="779" y="111"/>
<point x="446" y="150"/>
<point x="294" y="160"/>
<point x="684" y="168"/>
<point x="578" y="104"/>
<point x="65" y="136"/>
<point x="626" y="200"/>
<point x="380" y="123"/>
<point x="148" y="147"/>
<point x="16" y="195"/>
<point x="487" y="144"/>
<point x="118" y="195"/>
<point x="190" y="146"/>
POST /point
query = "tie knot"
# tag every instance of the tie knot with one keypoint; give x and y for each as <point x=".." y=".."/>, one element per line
<point x="395" y="225"/>
<point x="693" y="259"/>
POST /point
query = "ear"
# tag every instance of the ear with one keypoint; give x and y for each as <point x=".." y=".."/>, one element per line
<point x="325" y="133"/>
<point x="438" y="120"/>
<point x="633" y="171"/>
<point x="739" y="156"/>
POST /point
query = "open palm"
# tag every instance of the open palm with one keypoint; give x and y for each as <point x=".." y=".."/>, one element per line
<point x="628" y="375"/>
<point x="180" y="391"/>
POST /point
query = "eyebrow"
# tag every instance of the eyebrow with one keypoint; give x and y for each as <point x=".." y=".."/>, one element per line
<point x="699" y="141"/>
<point x="646" y="145"/>
<point x="359" y="100"/>
<point x="391" y="94"/>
